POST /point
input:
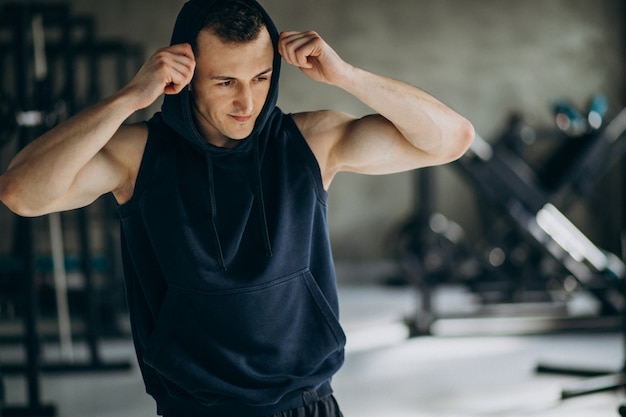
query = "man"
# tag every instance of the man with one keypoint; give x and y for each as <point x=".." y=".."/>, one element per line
<point x="229" y="275"/>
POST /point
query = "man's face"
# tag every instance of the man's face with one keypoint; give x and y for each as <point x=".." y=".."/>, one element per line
<point x="230" y="86"/>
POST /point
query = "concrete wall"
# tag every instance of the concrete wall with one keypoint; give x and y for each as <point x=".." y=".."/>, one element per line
<point x="484" y="58"/>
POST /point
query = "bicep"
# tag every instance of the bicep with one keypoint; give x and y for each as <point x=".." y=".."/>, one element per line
<point x="373" y="145"/>
<point x="100" y="176"/>
<point x="366" y="145"/>
<point x="112" y="169"/>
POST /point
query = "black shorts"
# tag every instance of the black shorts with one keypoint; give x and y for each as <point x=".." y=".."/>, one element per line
<point x="326" y="407"/>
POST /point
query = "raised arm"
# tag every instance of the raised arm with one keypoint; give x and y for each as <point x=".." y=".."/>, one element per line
<point x="410" y="128"/>
<point x="93" y="153"/>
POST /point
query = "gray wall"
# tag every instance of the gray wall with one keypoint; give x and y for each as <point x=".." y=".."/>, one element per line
<point x="484" y="58"/>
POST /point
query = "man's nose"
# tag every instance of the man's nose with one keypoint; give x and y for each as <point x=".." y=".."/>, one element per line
<point x="244" y="101"/>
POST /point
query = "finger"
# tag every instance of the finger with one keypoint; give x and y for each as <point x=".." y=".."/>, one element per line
<point x="165" y="58"/>
<point x="183" y="70"/>
<point x="297" y="47"/>
<point x="184" y="56"/>
<point x="180" y="54"/>
<point x="175" y="66"/>
<point x="282" y="45"/>
<point x="184" y="49"/>
<point x="174" y="87"/>
<point x="178" y="79"/>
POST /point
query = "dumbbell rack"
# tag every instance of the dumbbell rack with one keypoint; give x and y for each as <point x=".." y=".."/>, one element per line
<point x="32" y="107"/>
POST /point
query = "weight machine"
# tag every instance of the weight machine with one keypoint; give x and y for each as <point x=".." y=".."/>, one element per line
<point x="529" y="250"/>
<point x="46" y="45"/>
<point x="524" y="225"/>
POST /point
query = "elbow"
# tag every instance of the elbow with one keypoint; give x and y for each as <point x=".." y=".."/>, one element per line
<point x="463" y="136"/>
<point x="6" y="196"/>
<point x="10" y="197"/>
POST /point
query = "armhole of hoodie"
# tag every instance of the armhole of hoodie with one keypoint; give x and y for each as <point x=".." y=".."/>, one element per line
<point x="144" y="173"/>
<point x="304" y="149"/>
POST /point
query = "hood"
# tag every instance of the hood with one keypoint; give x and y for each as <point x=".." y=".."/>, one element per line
<point x="176" y="109"/>
<point x="177" y="114"/>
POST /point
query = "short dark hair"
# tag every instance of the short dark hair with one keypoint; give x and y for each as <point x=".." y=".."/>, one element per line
<point x="234" y="21"/>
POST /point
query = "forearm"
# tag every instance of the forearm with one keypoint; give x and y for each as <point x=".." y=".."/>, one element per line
<point x="424" y="121"/>
<point x="46" y="168"/>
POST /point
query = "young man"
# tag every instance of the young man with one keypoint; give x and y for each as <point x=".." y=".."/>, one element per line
<point x="222" y="201"/>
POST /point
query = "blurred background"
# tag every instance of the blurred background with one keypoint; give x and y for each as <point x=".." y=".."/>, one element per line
<point x="533" y="217"/>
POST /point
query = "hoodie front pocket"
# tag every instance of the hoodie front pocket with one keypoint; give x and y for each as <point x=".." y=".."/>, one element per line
<point x="252" y="345"/>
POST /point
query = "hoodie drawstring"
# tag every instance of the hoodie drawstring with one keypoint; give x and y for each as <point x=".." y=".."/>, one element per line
<point x="213" y="213"/>
<point x="259" y="196"/>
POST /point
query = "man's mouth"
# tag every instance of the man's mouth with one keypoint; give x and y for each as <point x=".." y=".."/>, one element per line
<point x="241" y="119"/>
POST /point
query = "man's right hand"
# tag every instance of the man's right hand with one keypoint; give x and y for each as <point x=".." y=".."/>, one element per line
<point x="167" y="71"/>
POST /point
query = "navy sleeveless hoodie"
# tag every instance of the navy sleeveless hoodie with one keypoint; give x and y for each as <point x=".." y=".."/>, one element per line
<point x="229" y="274"/>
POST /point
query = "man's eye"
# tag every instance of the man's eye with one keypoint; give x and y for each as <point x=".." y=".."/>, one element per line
<point x="261" y="79"/>
<point x="226" y="83"/>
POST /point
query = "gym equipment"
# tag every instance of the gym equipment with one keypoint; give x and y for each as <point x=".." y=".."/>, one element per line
<point x="47" y="45"/>
<point x="54" y="219"/>
<point x="599" y="380"/>
<point x="60" y="285"/>
<point x="8" y="118"/>
<point x="8" y="122"/>
<point x="20" y="21"/>
<point x="524" y="229"/>
<point x="535" y="229"/>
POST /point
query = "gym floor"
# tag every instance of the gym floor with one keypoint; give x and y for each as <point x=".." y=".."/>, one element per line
<point x="387" y="374"/>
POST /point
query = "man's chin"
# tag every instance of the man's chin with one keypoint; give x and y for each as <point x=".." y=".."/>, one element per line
<point x="232" y="139"/>
<point x="239" y="134"/>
